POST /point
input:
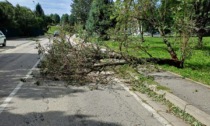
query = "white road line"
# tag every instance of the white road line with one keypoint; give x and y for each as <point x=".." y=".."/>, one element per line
<point x="18" y="87"/>
<point x="146" y="106"/>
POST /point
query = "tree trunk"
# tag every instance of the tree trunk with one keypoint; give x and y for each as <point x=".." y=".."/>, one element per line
<point x="126" y="59"/>
<point x="141" y="31"/>
<point x="168" y="44"/>
<point x="152" y="35"/>
<point x="170" y="50"/>
<point x="200" y="41"/>
<point x="142" y="36"/>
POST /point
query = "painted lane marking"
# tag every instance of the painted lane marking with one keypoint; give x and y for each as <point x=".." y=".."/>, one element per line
<point x="17" y="88"/>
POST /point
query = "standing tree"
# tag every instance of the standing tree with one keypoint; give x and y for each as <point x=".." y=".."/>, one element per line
<point x="56" y="18"/>
<point x="202" y="18"/>
<point x="183" y="26"/>
<point x="39" y="11"/>
<point x="64" y="19"/>
<point x="148" y="27"/>
<point x="158" y="13"/>
<point x="99" y="18"/>
<point x="43" y="21"/>
<point x="27" y="26"/>
<point x="80" y="10"/>
<point x="163" y="15"/>
<point x="7" y="12"/>
<point x="72" y="19"/>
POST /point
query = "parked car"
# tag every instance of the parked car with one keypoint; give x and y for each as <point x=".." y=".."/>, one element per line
<point x="2" y="39"/>
<point x="56" y="33"/>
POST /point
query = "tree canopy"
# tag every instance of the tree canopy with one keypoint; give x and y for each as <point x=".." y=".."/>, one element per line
<point x="55" y="18"/>
<point x="80" y="10"/>
<point x="179" y="18"/>
<point x="65" y="19"/>
<point x="99" y="18"/>
<point x="22" y="21"/>
<point x="39" y="11"/>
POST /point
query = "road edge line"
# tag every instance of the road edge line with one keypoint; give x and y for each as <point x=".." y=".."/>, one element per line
<point x="146" y="106"/>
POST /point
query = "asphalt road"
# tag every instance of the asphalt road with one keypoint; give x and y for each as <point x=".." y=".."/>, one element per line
<point x="15" y="61"/>
<point x="55" y="104"/>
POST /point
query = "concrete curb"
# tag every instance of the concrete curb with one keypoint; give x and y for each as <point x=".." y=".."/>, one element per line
<point x="201" y="116"/>
<point x="198" y="114"/>
<point x="162" y="110"/>
<point x="192" y="110"/>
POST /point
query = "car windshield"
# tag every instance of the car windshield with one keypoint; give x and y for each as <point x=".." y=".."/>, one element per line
<point x="56" y="32"/>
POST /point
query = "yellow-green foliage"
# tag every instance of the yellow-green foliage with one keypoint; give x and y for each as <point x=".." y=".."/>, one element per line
<point x="52" y="29"/>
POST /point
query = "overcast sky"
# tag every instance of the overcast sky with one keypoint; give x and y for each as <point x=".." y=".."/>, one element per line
<point x="49" y="6"/>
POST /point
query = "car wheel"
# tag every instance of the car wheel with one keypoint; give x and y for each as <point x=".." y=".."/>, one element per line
<point x="4" y="44"/>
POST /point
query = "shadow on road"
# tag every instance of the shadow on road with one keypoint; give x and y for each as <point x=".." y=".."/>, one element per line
<point x="33" y="92"/>
<point x="13" y="67"/>
<point x="7" y="47"/>
<point x="53" y="118"/>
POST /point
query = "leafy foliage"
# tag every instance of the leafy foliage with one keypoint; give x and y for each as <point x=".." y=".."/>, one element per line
<point x="99" y="18"/>
<point x="201" y="16"/>
<point x="72" y="19"/>
<point x="7" y="14"/>
<point x="21" y="21"/>
<point x="39" y="11"/>
<point x="79" y="11"/>
<point x="55" y="18"/>
<point x="65" y="19"/>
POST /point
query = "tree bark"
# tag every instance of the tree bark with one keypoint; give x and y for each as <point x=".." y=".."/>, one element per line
<point x="152" y="35"/>
<point x="170" y="50"/>
<point x="135" y="60"/>
<point x="141" y="31"/>
<point x="142" y="36"/>
<point x="168" y="44"/>
<point x="200" y="41"/>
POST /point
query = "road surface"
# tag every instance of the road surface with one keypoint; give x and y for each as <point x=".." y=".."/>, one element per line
<point x="15" y="61"/>
<point x="56" y="104"/>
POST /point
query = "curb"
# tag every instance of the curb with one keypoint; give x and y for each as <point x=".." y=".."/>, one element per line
<point x="159" y="112"/>
<point x="162" y="110"/>
<point x="198" y="114"/>
<point x="201" y="116"/>
<point x="192" y="110"/>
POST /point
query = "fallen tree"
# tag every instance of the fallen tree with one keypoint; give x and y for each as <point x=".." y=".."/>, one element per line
<point x="74" y="60"/>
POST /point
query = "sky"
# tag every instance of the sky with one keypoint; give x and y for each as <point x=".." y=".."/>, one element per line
<point x="49" y="6"/>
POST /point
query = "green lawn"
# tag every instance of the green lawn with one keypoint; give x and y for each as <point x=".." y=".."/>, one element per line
<point x="52" y="29"/>
<point x="197" y="66"/>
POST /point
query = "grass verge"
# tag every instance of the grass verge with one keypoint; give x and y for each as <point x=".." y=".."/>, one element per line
<point x="52" y="29"/>
<point x="196" y="67"/>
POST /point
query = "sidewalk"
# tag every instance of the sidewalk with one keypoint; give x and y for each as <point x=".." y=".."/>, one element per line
<point x="194" y="94"/>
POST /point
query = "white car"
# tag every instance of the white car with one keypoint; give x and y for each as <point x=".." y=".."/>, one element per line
<point x="2" y="39"/>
